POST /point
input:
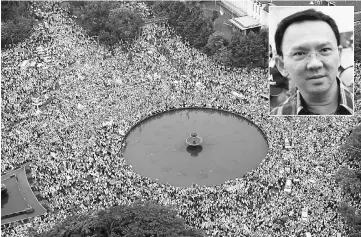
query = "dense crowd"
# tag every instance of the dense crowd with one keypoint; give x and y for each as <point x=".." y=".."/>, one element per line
<point x="68" y="117"/>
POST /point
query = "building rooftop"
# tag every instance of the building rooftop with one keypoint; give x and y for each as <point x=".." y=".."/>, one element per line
<point x="233" y="7"/>
<point x="20" y="202"/>
<point x="245" y="22"/>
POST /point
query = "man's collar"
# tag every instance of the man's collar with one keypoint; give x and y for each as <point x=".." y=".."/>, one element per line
<point x="345" y="99"/>
<point x="299" y="104"/>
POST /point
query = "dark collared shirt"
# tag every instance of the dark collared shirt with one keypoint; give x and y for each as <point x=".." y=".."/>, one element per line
<point x="295" y="105"/>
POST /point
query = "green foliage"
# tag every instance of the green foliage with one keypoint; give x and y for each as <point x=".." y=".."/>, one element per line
<point x="250" y="50"/>
<point x="16" y="22"/>
<point x="353" y="143"/>
<point x="160" y="8"/>
<point x="357" y="43"/>
<point x="346" y="211"/>
<point x="355" y="235"/>
<point x="111" y="22"/>
<point x="140" y="219"/>
<point x="215" y="15"/>
<point x="215" y="43"/>
<point x="264" y="47"/>
<point x="349" y="213"/>
<point x="188" y="21"/>
<point x="13" y="32"/>
<point x="222" y="56"/>
<point x="243" y="50"/>
<point x="123" y="24"/>
<point x="349" y="181"/>
<point x="12" y="10"/>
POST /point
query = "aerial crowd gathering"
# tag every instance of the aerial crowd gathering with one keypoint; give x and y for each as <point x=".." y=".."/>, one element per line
<point x="68" y="116"/>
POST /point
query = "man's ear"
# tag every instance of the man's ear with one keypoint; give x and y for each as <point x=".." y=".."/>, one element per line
<point x="281" y="66"/>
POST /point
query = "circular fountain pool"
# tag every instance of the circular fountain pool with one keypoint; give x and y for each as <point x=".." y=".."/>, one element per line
<point x="231" y="146"/>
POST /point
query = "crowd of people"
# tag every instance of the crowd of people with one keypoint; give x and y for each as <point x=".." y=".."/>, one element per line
<point x="69" y="116"/>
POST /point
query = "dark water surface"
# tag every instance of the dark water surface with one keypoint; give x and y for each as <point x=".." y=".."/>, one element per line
<point x="232" y="146"/>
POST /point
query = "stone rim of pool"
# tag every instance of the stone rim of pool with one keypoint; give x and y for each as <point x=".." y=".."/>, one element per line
<point x="182" y="162"/>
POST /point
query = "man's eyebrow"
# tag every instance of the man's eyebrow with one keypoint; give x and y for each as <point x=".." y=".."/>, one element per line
<point x="325" y="44"/>
<point x="304" y="47"/>
<point x="300" y="47"/>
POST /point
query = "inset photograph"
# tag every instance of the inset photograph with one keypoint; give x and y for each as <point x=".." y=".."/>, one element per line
<point x="311" y="65"/>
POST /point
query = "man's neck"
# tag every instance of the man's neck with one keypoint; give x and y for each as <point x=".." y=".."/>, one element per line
<point x="325" y="103"/>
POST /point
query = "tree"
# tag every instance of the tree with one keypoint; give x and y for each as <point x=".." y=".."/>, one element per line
<point x="139" y="219"/>
<point x="13" y="32"/>
<point x="160" y="8"/>
<point x="349" y="181"/>
<point x="222" y="56"/>
<point x="249" y="50"/>
<point x="355" y="235"/>
<point x="111" y="22"/>
<point x="349" y="213"/>
<point x="187" y="19"/>
<point x="123" y="25"/>
<point x="17" y="22"/>
<point x="264" y="44"/>
<point x="357" y="43"/>
<point x="215" y="42"/>
<point x="215" y="15"/>
<point x="242" y="54"/>
<point x="353" y="144"/>
<point x="346" y="211"/>
<point x="11" y="10"/>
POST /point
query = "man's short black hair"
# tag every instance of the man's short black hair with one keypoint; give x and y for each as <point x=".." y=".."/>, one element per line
<point x="306" y="15"/>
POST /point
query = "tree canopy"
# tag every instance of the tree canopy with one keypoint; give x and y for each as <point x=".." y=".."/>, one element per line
<point x="188" y="21"/>
<point x="111" y="22"/>
<point x="140" y="219"/>
<point x="215" y="42"/>
<point x="349" y="213"/>
<point x="353" y="144"/>
<point x="350" y="180"/>
<point x="249" y="50"/>
<point x="357" y="43"/>
<point x="17" y="22"/>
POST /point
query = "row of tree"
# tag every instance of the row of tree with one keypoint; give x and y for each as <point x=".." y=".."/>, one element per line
<point x="187" y="19"/>
<point x="350" y="180"/>
<point x="190" y="22"/>
<point x="110" y="22"/>
<point x="141" y="219"/>
<point x="357" y="43"/>
<point x="17" y="21"/>
<point x="348" y="212"/>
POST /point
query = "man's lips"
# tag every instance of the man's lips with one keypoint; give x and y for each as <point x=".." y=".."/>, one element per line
<point x="315" y="77"/>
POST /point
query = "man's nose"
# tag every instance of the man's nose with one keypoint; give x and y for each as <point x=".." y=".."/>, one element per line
<point x="314" y="62"/>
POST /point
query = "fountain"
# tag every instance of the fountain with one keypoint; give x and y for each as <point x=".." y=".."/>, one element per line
<point x="194" y="140"/>
<point x="219" y="146"/>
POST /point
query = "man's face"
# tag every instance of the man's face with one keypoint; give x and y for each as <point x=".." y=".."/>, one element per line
<point x="315" y="74"/>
